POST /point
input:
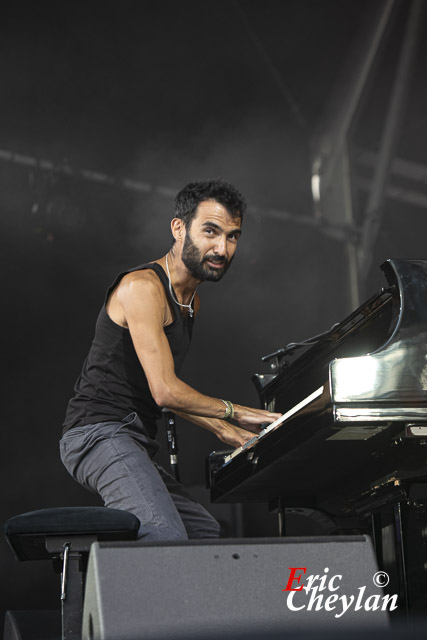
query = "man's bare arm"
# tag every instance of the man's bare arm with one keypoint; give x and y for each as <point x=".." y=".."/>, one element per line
<point x="142" y="298"/>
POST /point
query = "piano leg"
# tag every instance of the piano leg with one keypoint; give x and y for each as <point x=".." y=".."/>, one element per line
<point x="301" y="520"/>
<point x="281" y="521"/>
<point x="279" y="507"/>
<point x="388" y="529"/>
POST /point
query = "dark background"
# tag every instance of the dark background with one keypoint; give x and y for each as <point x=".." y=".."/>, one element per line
<point x="164" y="93"/>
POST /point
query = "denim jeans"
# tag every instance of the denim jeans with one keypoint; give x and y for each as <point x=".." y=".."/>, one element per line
<point x="113" y="459"/>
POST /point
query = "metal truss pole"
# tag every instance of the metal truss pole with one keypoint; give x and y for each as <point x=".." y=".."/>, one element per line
<point x="331" y="174"/>
<point x="374" y="210"/>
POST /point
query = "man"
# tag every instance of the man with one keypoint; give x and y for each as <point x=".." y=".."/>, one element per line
<point x="142" y="335"/>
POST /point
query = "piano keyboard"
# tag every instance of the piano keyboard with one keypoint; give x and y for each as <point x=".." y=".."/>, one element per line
<point x="276" y="423"/>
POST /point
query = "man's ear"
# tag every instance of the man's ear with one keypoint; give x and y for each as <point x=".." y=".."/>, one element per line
<point x="178" y="229"/>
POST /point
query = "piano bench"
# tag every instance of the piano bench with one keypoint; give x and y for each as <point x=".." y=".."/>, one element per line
<point x="65" y="535"/>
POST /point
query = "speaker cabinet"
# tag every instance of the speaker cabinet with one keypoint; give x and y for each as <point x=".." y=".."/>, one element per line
<point x="231" y="588"/>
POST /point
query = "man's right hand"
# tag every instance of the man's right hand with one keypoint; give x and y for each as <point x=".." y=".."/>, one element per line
<point x="252" y="419"/>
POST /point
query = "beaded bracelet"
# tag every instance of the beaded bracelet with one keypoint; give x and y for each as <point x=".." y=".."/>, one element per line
<point x="229" y="411"/>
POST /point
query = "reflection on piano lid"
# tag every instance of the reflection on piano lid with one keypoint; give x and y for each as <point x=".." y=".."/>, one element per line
<point x="353" y="404"/>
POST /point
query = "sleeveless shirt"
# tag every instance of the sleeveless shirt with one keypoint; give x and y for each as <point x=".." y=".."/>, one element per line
<point x="112" y="383"/>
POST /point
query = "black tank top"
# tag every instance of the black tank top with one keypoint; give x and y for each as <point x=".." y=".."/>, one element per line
<point x="112" y="383"/>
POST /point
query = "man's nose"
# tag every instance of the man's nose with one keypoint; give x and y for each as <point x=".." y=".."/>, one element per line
<point x="221" y="246"/>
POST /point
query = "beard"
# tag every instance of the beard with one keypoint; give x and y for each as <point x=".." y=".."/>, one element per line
<point x="198" y="266"/>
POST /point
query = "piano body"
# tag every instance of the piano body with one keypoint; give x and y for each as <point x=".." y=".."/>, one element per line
<point x="352" y="441"/>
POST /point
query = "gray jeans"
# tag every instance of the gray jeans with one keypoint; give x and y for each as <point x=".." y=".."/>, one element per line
<point x="113" y="459"/>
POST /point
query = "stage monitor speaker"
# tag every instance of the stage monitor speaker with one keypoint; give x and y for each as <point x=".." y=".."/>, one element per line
<point x="231" y="588"/>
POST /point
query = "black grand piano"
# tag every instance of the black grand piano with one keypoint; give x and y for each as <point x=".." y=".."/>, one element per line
<point x="352" y="442"/>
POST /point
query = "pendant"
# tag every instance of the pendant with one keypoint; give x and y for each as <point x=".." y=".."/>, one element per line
<point x="191" y="312"/>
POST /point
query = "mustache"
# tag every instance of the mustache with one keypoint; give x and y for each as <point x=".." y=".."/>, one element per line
<point x="215" y="259"/>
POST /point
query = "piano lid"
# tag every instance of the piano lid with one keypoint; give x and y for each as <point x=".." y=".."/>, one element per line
<point x="396" y="372"/>
<point x="376" y="357"/>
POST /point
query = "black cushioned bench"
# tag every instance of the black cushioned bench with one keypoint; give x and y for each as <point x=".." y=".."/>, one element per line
<point x="64" y="535"/>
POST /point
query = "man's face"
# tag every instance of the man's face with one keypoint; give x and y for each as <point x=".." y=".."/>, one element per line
<point x="210" y="241"/>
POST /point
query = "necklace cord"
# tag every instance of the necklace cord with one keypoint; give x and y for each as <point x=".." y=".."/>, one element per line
<point x="186" y="306"/>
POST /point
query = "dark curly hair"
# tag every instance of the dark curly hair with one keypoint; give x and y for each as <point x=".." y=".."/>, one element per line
<point x="189" y="198"/>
